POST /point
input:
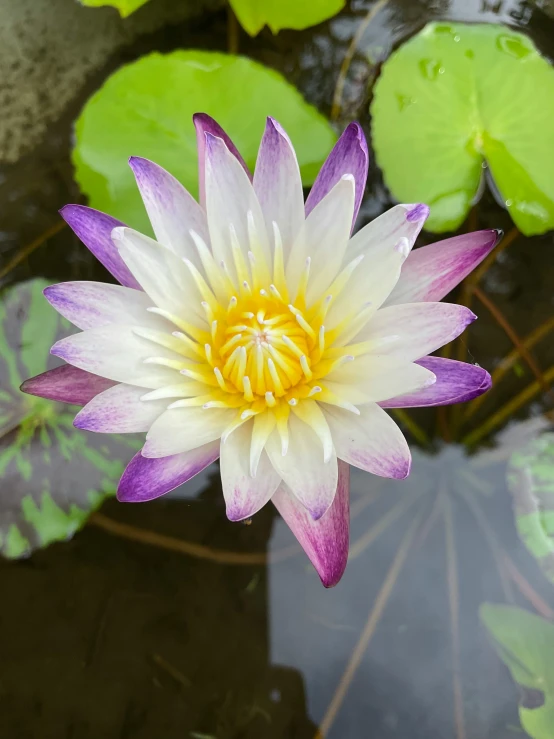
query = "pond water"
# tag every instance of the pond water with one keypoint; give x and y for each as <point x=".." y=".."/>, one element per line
<point x="206" y="629"/>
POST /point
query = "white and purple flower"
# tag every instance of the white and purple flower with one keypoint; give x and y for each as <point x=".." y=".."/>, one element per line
<point x="257" y="331"/>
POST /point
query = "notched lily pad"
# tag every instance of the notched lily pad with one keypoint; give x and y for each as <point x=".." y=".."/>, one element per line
<point x="125" y="7"/>
<point x="454" y="98"/>
<point x="525" y="643"/>
<point x="530" y="477"/>
<point x="52" y="475"/>
<point x="253" y="15"/>
<point x="146" y="109"/>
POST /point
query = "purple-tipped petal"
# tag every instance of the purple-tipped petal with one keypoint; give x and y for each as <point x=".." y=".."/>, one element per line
<point x="94" y="229"/>
<point x="66" y="384"/>
<point x="119" y="410"/>
<point x="431" y="272"/>
<point x="245" y="495"/>
<point x="95" y="304"/>
<point x="349" y="156"/>
<point x="205" y="124"/>
<point x="456" y="382"/>
<point x="145" y="479"/>
<point x="278" y="185"/>
<point x="173" y="212"/>
<point x="326" y="540"/>
<point x="371" y="441"/>
<point x="303" y="469"/>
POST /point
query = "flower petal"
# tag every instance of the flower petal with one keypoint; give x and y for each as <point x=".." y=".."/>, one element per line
<point x="371" y="441"/>
<point x="400" y="222"/>
<point x="369" y="285"/>
<point x="94" y="229"/>
<point x="372" y="378"/>
<point x="205" y="124"/>
<point x="349" y="156"/>
<point x="117" y="353"/>
<point x="245" y="495"/>
<point x="119" y="410"/>
<point x="94" y="304"/>
<point x="278" y="185"/>
<point x="66" y="384"/>
<point x="146" y="479"/>
<point x="414" y="330"/>
<point x="181" y="429"/>
<point x="173" y="212"/>
<point x="326" y="540"/>
<point x="302" y="468"/>
<point x="230" y="197"/>
<point x="456" y="382"/>
<point x="431" y="272"/>
<point x="323" y="239"/>
<point x="163" y="276"/>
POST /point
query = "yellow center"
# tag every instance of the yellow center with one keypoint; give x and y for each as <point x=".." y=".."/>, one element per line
<point x="262" y="348"/>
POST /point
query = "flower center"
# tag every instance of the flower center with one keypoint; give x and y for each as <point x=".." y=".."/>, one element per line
<point x="261" y="346"/>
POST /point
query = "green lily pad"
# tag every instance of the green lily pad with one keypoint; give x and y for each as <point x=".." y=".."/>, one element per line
<point x="53" y="475"/>
<point x="530" y="477"/>
<point x="125" y="7"/>
<point x="253" y="15"/>
<point x="525" y="643"/>
<point x="455" y="97"/>
<point x="145" y="109"/>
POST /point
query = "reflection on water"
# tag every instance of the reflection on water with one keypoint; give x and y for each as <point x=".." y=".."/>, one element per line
<point x="114" y="638"/>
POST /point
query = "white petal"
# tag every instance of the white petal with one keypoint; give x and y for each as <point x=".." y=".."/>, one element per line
<point x="95" y="304"/>
<point x="414" y="330"/>
<point x="229" y="198"/>
<point x="371" y="441"/>
<point x="323" y="238"/>
<point x="117" y="353"/>
<point x="180" y="429"/>
<point x="302" y="468"/>
<point x="173" y="212"/>
<point x="163" y="276"/>
<point x="278" y="185"/>
<point x="367" y="289"/>
<point x="372" y="378"/>
<point x="119" y="410"/>
<point x="245" y="495"/>
<point x="402" y="221"/>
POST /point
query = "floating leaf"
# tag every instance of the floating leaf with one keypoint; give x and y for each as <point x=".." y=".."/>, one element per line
<point x="525" y="643"/>
<point x="454" y="97"/>
<point x="52" y="475"/>
<point x="530" y="478"/>
<point x="145" y="109"/>
<point x="125" y="7"/>
<point x="253" y="15"/>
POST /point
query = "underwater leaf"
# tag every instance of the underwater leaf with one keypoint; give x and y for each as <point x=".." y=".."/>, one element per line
<point x="145" y="109"/>
<point x="457" y="98"/>
<point x="525" y="643"/>
<point x="530" y="477"/>
<point x="52" y="475"/>
<point x="125" y="7"/>
<point x="253" y="15"/>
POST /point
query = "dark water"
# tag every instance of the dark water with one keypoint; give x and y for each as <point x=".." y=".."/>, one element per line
<point x="105" y="637"/>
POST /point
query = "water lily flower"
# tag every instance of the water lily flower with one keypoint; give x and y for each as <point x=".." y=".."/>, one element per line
<point x="256" y="330"/>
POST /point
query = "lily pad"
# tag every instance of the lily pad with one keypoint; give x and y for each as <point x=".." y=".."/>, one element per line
<point x="525" y="643"/>
<point x="125" y="7"/>
<point x="52" y="475"/>
<point x="530" y="477"/>
<point x="145" y="109"/>
<point x="253" y="15"/>
<point x="454" y="98"/>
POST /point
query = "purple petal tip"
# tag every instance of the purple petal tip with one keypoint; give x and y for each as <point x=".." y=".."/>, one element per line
<point x="417" y="213"/>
